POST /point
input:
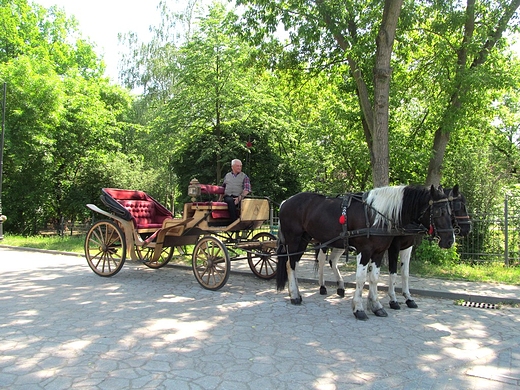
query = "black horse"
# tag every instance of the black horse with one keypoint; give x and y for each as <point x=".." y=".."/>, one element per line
<point x="367" y="222"/>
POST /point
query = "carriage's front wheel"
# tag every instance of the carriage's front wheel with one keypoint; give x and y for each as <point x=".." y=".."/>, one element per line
<point x="105" y="248"/>
<point x="260" y="260"/>
<point x="211" y="264"/>
<point x="146" y="255"/>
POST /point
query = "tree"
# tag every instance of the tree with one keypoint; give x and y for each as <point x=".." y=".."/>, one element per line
<point x="62" y="117"/>
<point x="472" y="52"/>
<point x="341" y="32"/>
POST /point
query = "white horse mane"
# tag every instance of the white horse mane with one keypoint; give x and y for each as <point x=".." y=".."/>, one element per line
<point x="386" y="204"/>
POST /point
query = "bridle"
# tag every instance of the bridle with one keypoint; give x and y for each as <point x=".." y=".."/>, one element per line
<point x="436" y="207"/>
<point x="456" y="204"/>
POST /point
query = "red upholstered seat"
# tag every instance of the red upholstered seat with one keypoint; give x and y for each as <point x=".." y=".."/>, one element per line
<point x="216" y="207"/>
<point x="219" y="210"/>
<point x="211" y="189"/>
<point x="146" y="212"/>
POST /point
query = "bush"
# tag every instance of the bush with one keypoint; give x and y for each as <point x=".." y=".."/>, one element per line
<point x="429" y="252"/>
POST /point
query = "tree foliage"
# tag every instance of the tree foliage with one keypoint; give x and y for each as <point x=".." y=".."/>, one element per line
<point x="303" y="108"/>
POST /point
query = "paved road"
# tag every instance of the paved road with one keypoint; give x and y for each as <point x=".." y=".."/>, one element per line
<point x="62" y="326"/>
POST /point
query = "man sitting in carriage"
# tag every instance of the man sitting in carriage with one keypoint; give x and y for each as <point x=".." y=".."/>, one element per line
<point x="236" y="186"/>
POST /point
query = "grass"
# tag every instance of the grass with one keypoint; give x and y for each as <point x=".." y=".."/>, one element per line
<point x="57" y="243"/>
<point x="489" y="272"/>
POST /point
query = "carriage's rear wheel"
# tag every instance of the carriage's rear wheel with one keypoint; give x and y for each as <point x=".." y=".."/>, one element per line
<point x="105" y="248"/>
<point x="260" y="260"/>
<point x="146" y="255"/>
<point x="211" y="263"/>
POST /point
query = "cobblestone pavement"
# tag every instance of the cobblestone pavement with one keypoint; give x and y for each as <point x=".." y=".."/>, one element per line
<point x="63" y="327"/>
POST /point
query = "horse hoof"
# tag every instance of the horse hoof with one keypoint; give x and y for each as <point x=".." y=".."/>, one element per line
<point x="323" y="290"/>
<point x="380" y="313"/>
<point x="361" y="315"/>
<point x="394" y="305"/>
<point x="341" y="292"/>
<point x="297" y="301"/>
<point x="411" y="304"/>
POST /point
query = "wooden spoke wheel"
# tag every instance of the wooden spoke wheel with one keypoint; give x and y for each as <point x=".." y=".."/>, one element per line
<point x="211" y="263"/>
<point x="105" y="248"/>
<point x="260" y="260"/>
<point x="146" y="255"/>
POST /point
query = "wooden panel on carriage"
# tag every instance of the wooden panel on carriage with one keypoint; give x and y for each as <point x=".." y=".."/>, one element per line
<point x="254" y="210"/>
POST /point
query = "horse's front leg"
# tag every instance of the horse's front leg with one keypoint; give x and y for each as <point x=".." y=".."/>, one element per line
<point x="294" y="292"/>
<point x="373" y="301"/>
<point x="357" y="299"/>
<point x="322" y="260"/>
<point x="334" y="257"/>
<point x="405" y="277"/>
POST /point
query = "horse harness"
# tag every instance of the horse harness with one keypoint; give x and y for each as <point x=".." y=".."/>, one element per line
<point x="435" y="207"/>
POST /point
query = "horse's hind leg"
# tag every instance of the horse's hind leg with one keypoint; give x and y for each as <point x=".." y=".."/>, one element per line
<point x="357" y="299"/>
<point x="373" y="301"/>
<point x="322" y="260"/>
<point x="405" y="277"/>
<point x="334" y="257"/>
<point x="393" y="254"/>
<point x="294" y="292"/>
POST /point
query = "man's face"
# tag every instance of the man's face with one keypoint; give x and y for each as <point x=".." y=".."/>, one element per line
<point x="237" y="167"/>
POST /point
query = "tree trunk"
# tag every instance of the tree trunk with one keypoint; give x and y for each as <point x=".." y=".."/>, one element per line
<point x="382" y="77"/>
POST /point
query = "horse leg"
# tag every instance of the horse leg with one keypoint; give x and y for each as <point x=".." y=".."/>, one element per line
<point x="405" y="277"/>
<point x="357" y="299"/>
<point x="392" y="268"/>
<point x="334" y="257"/>
<point x="294" y="292"/>
<point x="373" y="302"/>
<point x="322" y="259"/>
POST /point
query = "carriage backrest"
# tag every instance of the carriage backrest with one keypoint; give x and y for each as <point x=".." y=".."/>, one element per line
<point x="211" y="189"/>
<point x="138" y="206"/>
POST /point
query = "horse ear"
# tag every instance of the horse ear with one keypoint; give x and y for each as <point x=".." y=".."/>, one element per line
<point x="456" y="190"/>
<point x="432" y="190"/>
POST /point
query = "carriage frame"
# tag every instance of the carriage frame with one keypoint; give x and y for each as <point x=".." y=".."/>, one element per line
<point x="140" y="228"/>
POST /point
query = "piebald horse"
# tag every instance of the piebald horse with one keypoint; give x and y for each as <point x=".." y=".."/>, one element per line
<point x="401" y="247"/>
<point x="368" y="222"/>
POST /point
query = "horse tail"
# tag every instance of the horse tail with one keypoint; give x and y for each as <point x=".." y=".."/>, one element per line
<point x="281" y="265"/>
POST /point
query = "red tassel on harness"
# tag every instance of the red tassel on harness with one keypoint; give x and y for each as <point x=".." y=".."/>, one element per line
<point x="430" y="230"/>
<point x="342" y="219"/>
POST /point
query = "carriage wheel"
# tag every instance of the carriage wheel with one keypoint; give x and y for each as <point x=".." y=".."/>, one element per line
<point x="146" y="254"/>
<point x="260" y="261"/>
<point x="105" y="248"/>
<point x="211" y="264"/>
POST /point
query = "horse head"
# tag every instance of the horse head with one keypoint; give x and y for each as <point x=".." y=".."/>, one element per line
<point x="439" y="218"/>
<point x="459" y="214"/>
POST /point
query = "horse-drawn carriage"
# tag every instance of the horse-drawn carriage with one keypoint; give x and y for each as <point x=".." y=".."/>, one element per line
<point x="141" y="228"/>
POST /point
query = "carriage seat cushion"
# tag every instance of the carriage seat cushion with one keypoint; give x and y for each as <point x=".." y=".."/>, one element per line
<point x="144" y="213"/>
<point x="219" y="210"/>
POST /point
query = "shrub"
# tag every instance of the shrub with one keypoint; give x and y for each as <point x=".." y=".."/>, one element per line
<point x="429" y="252"/>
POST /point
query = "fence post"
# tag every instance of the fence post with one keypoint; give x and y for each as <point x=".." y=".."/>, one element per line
<point x="506" y="232"/>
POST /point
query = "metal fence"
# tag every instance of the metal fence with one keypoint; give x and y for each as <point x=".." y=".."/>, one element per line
<point x="494" y="237"/>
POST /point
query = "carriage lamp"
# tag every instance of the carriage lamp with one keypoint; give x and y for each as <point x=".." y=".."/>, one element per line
<point x="194" y="189"/>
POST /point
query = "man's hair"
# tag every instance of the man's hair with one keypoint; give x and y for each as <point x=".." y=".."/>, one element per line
<point x="234" y="161"/>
